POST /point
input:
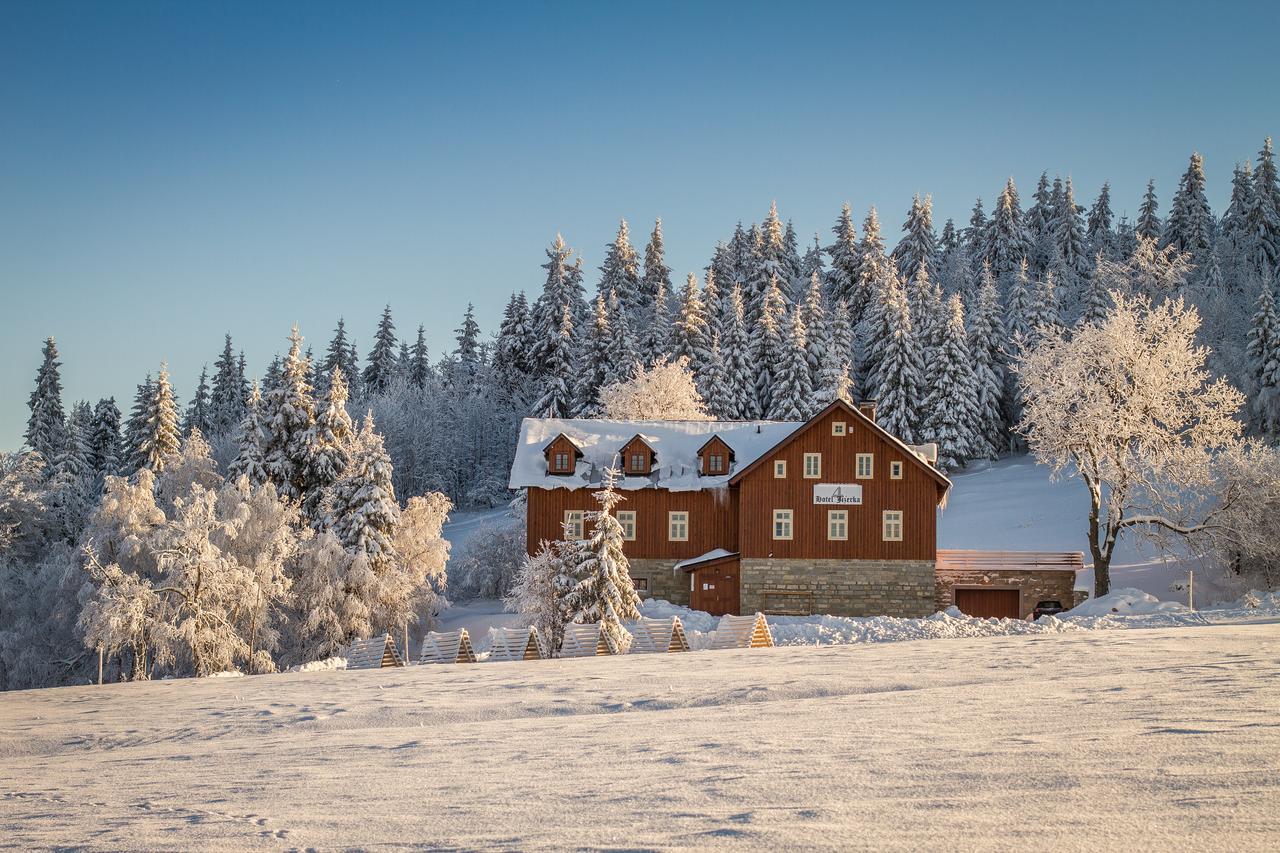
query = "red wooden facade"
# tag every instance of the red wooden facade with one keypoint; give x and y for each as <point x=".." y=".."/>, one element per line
<point x="739" y="517"/>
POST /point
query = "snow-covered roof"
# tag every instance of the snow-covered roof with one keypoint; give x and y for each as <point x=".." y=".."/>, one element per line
<point x="711" y="556"/>
<point x="676" y="444"/>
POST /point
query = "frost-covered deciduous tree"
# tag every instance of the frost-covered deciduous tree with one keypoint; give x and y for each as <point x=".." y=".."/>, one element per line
<point x="1128" y="407"/>
<point x="664" y="392"/>
<point x="416" y="583"/>
<point x="604" y="592"/>
<point x="538" y="596"/>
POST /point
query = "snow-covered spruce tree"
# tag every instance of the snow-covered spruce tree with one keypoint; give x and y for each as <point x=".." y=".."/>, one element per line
<point x="1148" y="224"/>
<point x="713" y="384"/>
<point x="657" y="335"/>
<point x="227" y="395"/>
<point x="1263" y="352"/>
<point x="512" y="354"/>
<point x="70" y="490"/>
<point x="1007" y="241"/>
<point x="842" y="275"/>
<point x="604" y="592"/>
<point x="250" y="460"/>
<point x="1128" y="407"/>
<point x="1020" y="302"/>
<point x="767" y="344"/>
<point x="1070" y="232"/>
<point x="1262" y="219"/>
<point x="987" y="337"/>
<point x="951" y="415"/>
<point x="620" y="271"/>
<point x="813" y="311"/>
<point x="46" y="428"/>
<point x="341" y="353"/>
<point x="467" y="355"/>
<point x="288" y="417"/>
<point x="870" y="335"/>
<point x="623" y="350"/>
<point x="537" y="596"/>
<point x="872" y="268"/>
<point x="558" y="372"/>
<point x="1039" y="218"/>
<point x="840" y="357"/>
<point x="740" y="403"/>
<point x="1044" y="317"/>
<point x="363" y="508"/>
<point x="593" y="369"/>
<point x="792" y="385"/>
<point x="925" y="297"/>
<point x="135" y="426"/>
<point x="899" y="377"/>
<point x="420" y="372"/>
<point x="329" y="446"/>
<point x="1190" y="223"/>
<point x="105" y="447"/>
<point x="974" y="239"/>
<point x="159" y="437"/>
<point x="919" y="244"/>
<point x="1096" y="300"/>
<point x="713" y="304"/>
<point x="664" y="392"/>
<point x="1233" y="220"/>
<point x="1099" y="237"/>
<point x="791" y="261"/>
<point x="198" y="410"/>
<point x="773" y="261"/>
<point x="689" y="337"/>
<point x="383" y="360"/>
<point x="657" y="275"/>
<point x="813" y="261"/>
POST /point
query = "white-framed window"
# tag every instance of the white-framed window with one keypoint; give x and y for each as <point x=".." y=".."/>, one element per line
<point x="895" y="470"/>
<point x="715" y="463"/>
<point x="627" y="520"/>
<point x="838" y="524"/>
<point x="838" y="427"/>
<point x="573" y="524"/>
<point x="562" y="461"/>
<point x="637" y="461"/>
<point x="640" y="584"/>
<point x="782" y="523"/>
<point x="812" y="466"/>
<point x="891" y="524"/>
<point x="678" y="526"/>
<point x="780" y="469"/>
<point x="866" y="466"/>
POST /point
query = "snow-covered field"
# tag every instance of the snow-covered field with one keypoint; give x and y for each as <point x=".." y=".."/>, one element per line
<point x="1160" y="739"/>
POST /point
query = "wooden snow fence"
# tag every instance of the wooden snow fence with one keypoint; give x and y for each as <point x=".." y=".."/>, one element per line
<point x="515" y="644"/>
<point x="658" y="635"/>
<point x="373" y="653"/>
<point x="585" y="641"/>
<point x="447" y="647"/>
<point x="742" y="632"/>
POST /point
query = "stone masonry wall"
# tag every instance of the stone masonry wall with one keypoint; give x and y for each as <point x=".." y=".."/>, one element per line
<point x="1036" y="585"/>
<point x="663" y="582"/>
<point x="838" y="587"/>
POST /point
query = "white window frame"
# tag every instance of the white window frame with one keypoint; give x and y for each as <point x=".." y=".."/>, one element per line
<point x="574" y="518"/>
<point x="787" y="518"/>
<point x="816" y="458"/>
<point x="627" y="518"/>
<point x="779" y="469"/>
<point x="870" y="459"/>
<point x="839" y="428"/>
<point x="841" y="517"/>
<point x="678" y="517"/>
<point x="895" y="470"/>
<point x="891" y="525"/>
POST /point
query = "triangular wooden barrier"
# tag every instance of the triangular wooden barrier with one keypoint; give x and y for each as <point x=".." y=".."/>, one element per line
<point x="515" y="644"/>
<point x="447" y="647"/>
<point x="742" y="632"/>
<point x="374" y="653"/>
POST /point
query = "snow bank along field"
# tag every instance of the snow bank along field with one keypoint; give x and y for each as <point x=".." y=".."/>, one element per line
<point x="1154" y="739"/>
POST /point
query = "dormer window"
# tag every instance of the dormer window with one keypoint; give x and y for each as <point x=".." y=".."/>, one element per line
<point x="715" y="458"/>
<point x="637" y="457"/>
<point x="715" y="463"/>
<point x="636" y="465"/>
<point x="562" y="455"/>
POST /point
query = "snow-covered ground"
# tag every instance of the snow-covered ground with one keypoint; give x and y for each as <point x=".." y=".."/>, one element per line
<point x="1160" y="739"/>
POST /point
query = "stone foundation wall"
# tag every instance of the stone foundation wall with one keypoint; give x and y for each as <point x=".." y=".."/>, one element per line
<point x="1036" y="585"/>
<point x="663" y="582"/>
<point x="902" y="588"/>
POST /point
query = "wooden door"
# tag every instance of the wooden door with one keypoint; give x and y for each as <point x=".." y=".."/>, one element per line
<point x="990" y="603"/>
<point x="715" y="589"/>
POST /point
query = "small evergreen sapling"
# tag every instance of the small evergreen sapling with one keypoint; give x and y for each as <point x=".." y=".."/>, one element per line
<point x="604" y="592"/>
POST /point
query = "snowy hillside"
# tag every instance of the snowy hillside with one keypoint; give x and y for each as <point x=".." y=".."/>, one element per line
<point x="897" y="746"/>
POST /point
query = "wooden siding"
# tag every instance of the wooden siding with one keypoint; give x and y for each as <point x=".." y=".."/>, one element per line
<point x="916" y="495"/>
<point x="712" y="515"/>
<point x="640" y="446"/>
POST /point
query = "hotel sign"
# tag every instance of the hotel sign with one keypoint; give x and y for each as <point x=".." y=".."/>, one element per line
<point x="837" y="494"/>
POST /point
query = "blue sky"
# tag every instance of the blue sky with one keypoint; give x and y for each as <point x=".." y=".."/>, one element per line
<point x="169" y="172"/>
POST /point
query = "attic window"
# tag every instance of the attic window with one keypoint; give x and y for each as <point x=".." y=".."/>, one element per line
<point x="561" y="462"/>
<point x="715" y="464"/>
<point x="636" y="465"/>
<point x="837" y="427"/>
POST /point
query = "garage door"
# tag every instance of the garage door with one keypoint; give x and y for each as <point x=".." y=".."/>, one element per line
<point x="988" y="603"/>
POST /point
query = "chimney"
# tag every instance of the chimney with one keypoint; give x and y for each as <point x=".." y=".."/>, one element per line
<point x="868" y="409"/>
